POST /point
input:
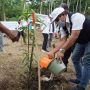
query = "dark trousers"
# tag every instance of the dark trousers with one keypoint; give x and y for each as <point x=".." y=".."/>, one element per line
<point x="45" y="41"/>
<point x="22" y="33"/>
<point x="50" y="39"/>
<point x="66" y="56"/>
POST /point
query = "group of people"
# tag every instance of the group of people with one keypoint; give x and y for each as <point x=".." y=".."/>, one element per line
<point x="75" y="39"/>
<point x="51" y="30"/>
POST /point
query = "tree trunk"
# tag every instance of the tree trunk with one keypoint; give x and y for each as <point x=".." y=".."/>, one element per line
<point x="3" y="11"/>
<point x="77" y="5"/>
<point x="85" y="7"/>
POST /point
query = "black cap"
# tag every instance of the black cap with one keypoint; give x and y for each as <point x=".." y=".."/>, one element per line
<point x="64" y="5"/>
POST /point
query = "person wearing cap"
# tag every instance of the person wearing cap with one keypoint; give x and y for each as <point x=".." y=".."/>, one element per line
<point x="13" y="36"/>
<point x="61" y="26"/>
<point x="79" y="30"/>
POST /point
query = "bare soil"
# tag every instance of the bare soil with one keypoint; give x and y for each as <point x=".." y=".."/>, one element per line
<point x="12" y="70"/>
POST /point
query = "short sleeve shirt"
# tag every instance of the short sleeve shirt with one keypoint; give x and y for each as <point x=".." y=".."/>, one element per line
<point x="77" y="20"/>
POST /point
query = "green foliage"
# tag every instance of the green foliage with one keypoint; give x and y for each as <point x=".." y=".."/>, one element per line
<point x="11" y="8"/>
<point x="15" y="8"/>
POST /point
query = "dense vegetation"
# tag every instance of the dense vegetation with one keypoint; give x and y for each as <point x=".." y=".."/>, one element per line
<point x="12" y="9"/>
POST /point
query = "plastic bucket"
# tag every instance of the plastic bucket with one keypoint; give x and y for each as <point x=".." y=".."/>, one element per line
<point x="56" y="67"/>
<point x="44" y="62"/>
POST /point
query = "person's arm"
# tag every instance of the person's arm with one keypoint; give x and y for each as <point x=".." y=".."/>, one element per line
<point x="57" y="47"/>
<point x="63" y="38"/>
<point x="9" y="33"/>
<point x="71" y="40"/>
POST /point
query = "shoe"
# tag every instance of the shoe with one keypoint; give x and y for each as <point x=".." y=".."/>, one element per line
<point x="78" y="87"/>
<point x="76" y="81"/>
<point x="44" y="50"/>
<point x="65" y="70"/>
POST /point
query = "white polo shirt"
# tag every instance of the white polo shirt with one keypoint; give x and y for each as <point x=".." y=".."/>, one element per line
<point x="77" y="20"/>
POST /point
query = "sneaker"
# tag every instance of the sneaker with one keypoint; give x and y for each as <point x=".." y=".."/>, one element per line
<point x="44" y="50"/>
<point x="76" y="81"/>
<point x="78" y="87"/>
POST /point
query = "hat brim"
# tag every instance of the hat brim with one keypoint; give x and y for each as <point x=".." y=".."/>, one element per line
<point x="54" y="19"/>
<point x="55" y="13"/>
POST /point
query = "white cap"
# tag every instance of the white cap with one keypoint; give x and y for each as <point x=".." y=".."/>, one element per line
<point x="55" y="13"/>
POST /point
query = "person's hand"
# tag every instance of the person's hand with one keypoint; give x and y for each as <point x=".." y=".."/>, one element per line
<point x="50" y="54"/>
<point x="14" y="37"/>
<point x="60" y="55"/>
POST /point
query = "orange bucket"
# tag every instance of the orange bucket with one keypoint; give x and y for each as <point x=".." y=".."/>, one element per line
<point x="44" y="62"/>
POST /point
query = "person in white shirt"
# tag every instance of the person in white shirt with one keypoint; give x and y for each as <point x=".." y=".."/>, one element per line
<point x="21" y="31"/>
<point x="79" y="30"/>
<point x="62" y="27"/>
<point x="45" y="32"/>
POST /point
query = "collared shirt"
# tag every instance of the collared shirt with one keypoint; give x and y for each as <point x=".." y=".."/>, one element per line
<point x="77" y="20"/>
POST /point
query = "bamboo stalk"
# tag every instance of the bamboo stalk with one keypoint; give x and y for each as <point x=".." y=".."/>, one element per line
<point x="62" y="1"/>
<point x="85" y="7"/>
<point x="39" y="81"/>
<point x="41" y="7"/>
<point x="39" y="72"/>
<point x="73" y="8"/>
<point x="77" y="5"/>
<point x="80" y="6"/>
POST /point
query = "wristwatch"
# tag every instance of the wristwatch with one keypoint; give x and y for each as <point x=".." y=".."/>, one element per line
<point x="62" y="50"/>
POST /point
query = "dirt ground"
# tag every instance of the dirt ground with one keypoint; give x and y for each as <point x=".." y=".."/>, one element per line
<point x="11" y="69"/>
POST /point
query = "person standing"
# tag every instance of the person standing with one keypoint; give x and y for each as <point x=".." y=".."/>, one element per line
<point x="80" y="34"/>
<point x="21" y="31"/>
<point x="45" y="32"/>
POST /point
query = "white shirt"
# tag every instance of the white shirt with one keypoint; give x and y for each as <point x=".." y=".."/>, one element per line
<point x="19" y="26"/>
<point x="77" y="20"/>
<point x="46" y="26"/>
<point x="24" y="23"/>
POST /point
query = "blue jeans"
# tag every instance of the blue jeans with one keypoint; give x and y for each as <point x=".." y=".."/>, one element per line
<point x="81" y="61"/>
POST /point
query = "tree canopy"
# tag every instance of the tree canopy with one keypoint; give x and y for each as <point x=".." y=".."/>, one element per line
<point x="13" y="9"/>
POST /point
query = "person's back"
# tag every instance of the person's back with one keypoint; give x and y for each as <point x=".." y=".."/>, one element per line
<point x="45" y="25"/>
<point x="84" y="36"/>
